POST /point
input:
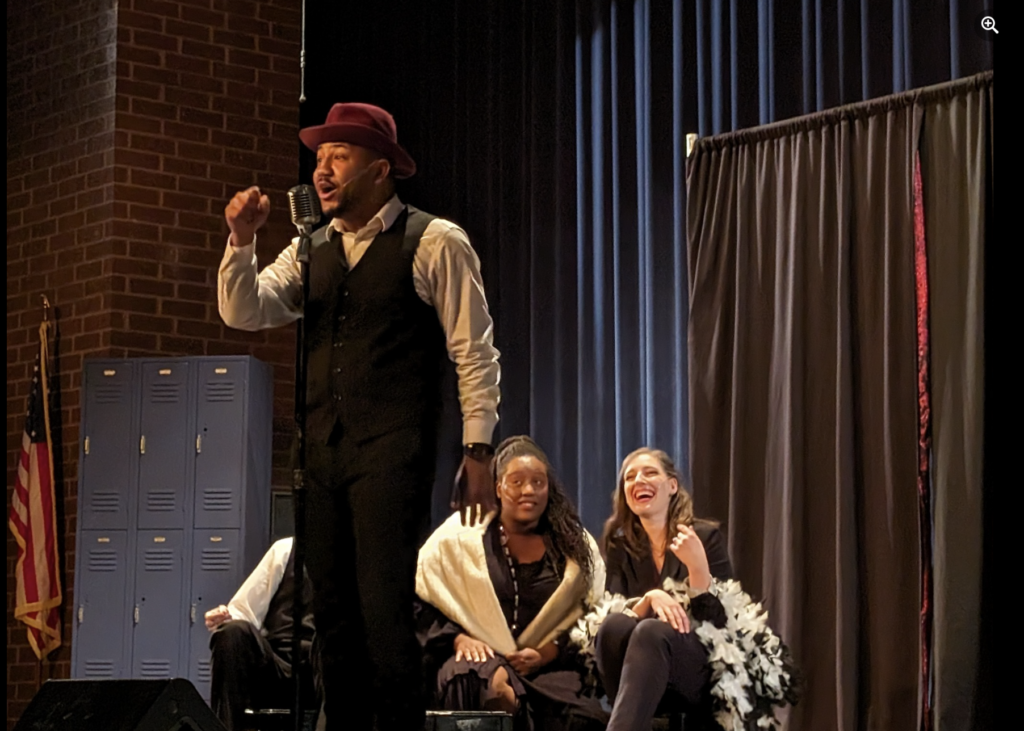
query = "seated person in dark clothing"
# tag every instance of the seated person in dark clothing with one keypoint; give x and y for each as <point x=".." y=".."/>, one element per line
<point x="497" y="600"/>
<point x="252" y="640"/>
<point x="647" y="656"/>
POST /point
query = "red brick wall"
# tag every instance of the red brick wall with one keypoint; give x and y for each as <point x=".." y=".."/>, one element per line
<point x="128" y="129"/>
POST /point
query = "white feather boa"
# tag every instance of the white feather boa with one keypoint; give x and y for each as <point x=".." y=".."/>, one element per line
<point x="752" y="670"/>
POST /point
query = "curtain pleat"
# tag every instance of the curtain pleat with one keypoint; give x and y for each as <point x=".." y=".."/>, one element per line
<point x="955" y="162"/>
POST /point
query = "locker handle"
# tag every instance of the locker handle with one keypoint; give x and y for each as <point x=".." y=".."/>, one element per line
<point x="87" y="445"/>
<point x="81" y="613"/>
<point x="199" y="443"/>
<point x="142" y="444"/>
<point x="136" y="614"/>
<point x="192" y="613"/>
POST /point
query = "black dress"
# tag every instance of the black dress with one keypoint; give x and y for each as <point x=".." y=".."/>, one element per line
<point x="635" y="576"/>
<point x="645" y="665"/>
<point x="554" y="698"/>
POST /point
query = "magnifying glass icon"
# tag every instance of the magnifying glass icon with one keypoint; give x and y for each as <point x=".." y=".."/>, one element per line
<point x="989" y="23"/>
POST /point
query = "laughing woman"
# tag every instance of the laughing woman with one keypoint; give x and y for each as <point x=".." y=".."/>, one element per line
<point x="676" y="632"/>
<point x="498" y="599"/>
<point x="648" y="656"/>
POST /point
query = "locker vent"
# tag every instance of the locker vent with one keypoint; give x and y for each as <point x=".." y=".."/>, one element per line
<point x="216" y="559"/>
<point x="108" y="393"/>
<point x="165" y="393"/>
<point x="161" y="501"/>
<point x="204" y="670"/>
<point x="101" y="559"/>
<point x="219" y="391"/>
<point x="159" y="559"/>
<point x="105" y="502"/>
<point x="217" y="499"/>
<point x="155" y="669"/>
<point x="99" y="668"/>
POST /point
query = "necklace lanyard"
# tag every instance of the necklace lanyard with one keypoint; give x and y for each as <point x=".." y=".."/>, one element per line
<point x="515" y="581"/>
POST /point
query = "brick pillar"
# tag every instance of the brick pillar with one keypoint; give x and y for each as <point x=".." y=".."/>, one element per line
<point x="129" y="126"/>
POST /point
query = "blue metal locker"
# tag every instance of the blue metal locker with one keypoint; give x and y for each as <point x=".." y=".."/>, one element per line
<point x="259" y="441"/>
<point x="99" y="643"/>
<point x="220" y="438"/>
<point x="107" y="456"/>
<point x="216" y="576"/>
<point x="159" y="611"/>
<point x="164" y="443"/>
<point x="175" y="454"/>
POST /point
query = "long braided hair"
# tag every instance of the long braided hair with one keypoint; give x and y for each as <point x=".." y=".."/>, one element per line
<point x="560" y="523"/>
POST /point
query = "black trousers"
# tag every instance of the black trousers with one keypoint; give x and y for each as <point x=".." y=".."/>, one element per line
<point x="245" y="673"/>
<point x="647" y="666"/>
<point x="368" y="509"/>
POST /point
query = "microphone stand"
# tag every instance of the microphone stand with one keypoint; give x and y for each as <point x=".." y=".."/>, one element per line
<point x="299" y="483"/>
<point x="299" y="473"/>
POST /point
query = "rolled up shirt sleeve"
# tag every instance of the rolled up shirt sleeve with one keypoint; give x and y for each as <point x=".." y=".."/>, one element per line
<point x="252" y="600"/>
<point x="252" y="300"/>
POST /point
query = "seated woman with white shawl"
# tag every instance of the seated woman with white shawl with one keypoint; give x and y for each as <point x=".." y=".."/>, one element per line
<point x="498" y="599"/>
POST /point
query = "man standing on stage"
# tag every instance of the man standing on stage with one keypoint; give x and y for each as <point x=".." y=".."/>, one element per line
<point x="391" y="289"/>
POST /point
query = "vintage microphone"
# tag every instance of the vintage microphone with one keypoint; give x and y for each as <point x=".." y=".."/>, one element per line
<point x="304" y="205"/>
<point x="305" y="211"/>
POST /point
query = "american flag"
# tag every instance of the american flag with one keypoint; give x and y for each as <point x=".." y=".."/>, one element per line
<point x="33" y="519"/>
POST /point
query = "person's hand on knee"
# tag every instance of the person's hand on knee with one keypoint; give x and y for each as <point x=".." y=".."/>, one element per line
<point x="471" y="649"/>
<point x="216" y="617"/>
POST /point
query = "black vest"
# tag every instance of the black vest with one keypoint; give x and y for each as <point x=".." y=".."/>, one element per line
<point x="277" y="625"/>
<point x="375" y="348"/>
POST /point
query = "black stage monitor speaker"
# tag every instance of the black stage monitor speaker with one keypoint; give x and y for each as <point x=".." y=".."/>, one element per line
<point x="118" y="705"/>
<point x="468" y="721"/>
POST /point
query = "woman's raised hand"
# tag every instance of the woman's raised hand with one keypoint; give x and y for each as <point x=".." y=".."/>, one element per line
<point x="689" y="549"/>
<point x="472" y="650"/>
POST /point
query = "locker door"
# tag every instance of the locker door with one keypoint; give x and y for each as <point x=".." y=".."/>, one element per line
<point x="163" y="444"/>
<point x="216" y="576"/>
<point x="160" y="607"/>
<point x="220" y="427"/>
<point x="100" y="608"/>
<point x="108" y="447"/>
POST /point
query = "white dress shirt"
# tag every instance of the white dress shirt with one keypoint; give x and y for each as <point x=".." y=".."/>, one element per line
<point x="446" y="275"/>
<point x="252" y="600"/>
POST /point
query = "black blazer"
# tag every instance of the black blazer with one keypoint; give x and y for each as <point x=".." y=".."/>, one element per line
<point x="633" y="577"/>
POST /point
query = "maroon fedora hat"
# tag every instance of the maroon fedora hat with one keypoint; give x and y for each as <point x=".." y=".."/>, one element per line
<point x="365" y="125"/>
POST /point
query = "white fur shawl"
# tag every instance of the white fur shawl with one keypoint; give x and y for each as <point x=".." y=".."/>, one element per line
<point x="452" y="575"/>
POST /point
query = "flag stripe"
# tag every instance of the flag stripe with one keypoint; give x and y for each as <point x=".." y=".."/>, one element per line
<point x="49" y="512"/>
<point x="53" y="562"/>
<point x="35" y="568"/>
